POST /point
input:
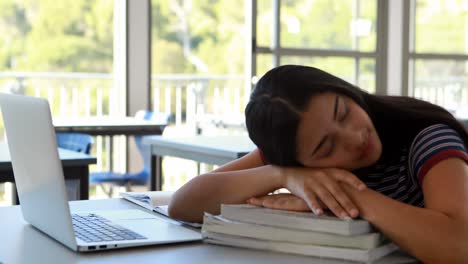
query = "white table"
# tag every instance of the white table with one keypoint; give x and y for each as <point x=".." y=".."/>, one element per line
<point x="216" y="150"/>
<point x="109" y="126"/>
<point x="21" y="243"/>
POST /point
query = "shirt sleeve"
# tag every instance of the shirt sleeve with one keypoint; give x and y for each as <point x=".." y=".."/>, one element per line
<point x="432" y="145"/>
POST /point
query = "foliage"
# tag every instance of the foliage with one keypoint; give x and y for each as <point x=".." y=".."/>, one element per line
<point x="48" y="35"/>
<point x="208" y="36"/>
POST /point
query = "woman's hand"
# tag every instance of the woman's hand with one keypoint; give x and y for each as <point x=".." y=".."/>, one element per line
<point x="316" y="186"/>
<point x="282" y="201"/>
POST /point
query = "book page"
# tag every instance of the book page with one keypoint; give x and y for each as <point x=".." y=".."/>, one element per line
<point x="159" y="197"/>
<point x="140" y="199"/>
<point x="251" y="209"/>
<point x="151" y="199"/>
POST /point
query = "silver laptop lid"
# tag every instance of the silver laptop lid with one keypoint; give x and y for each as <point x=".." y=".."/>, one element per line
<point x="36" y="165"/>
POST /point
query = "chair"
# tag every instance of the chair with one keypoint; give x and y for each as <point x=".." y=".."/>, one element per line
<point x="129" y="179"/>
<point x="78" y="142"/>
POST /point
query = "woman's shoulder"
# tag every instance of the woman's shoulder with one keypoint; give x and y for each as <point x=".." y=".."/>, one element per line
<point x="434" y="144"/>
<point x="435" y="133"/>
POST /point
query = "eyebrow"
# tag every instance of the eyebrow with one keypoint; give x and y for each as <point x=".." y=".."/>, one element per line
<point x="335" y="111"/>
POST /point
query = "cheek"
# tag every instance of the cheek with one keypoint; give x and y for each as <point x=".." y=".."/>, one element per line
<point x="360" y="119"/>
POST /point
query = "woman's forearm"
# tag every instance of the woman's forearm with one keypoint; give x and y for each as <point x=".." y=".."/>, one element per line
<point x="429" y="235"/>
<point x="205" y="193"/>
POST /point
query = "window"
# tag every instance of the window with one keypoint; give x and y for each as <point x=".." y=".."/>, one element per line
<point x="59" y="50"/>
<point x="339" y="36"/>
<point x="63" y="51"/>
<point x="198" y="66"/>
<point x="438" y="53"/>
<point x="198" y="62"/>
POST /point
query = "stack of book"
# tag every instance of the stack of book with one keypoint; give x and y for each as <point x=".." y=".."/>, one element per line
<point x="295" y="232"/>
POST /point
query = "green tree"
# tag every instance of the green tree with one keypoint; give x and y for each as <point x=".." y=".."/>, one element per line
<point x="49" y="35"/>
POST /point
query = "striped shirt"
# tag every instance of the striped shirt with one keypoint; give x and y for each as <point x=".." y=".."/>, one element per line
<point x="401" y="179"/>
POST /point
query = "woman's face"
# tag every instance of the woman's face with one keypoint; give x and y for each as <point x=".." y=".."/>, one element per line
<point x="336" y="132"/>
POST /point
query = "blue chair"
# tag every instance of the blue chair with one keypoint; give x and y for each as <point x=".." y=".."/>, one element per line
<point x="78" y="142"/>
<point x="130" y="179"/>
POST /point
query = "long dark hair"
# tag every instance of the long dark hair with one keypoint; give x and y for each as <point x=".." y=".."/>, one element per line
<point x="283" y="93"/>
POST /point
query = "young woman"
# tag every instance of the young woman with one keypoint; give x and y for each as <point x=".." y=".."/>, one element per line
<point x="397" y="162"/>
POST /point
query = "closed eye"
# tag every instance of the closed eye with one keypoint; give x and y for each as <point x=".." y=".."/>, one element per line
<point x="344" y="115"/>
<point x="331" y="148"/>
<point x="345" y="111"/>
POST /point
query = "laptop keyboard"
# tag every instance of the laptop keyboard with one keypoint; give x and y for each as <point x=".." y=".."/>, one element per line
<point x="94" y="228"/>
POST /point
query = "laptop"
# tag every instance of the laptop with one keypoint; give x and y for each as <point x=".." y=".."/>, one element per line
<point x="41" y="188"/>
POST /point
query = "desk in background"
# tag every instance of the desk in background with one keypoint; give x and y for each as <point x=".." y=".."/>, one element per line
<point x="75" y="166"/>
<point x="215" y="150"/>
<point x="28" y="245"/>
<point x="109" y="126"/>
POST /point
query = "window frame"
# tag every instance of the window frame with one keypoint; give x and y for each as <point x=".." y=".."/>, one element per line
<point x="409" y="54"/>
<point x="277" y="51"/>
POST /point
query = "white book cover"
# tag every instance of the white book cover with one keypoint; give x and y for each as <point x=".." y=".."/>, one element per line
<point x="295" y="220"/>
<point x="156" y="201"/>
<point x="221" y="225"/>
<point x="358" y="255"/>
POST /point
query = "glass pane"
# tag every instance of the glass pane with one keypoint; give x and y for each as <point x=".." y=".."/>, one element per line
<point x="56" y="36"/>
<point x="46" y="43"/>
<point x="341" y="67"/>
<point x="329" y="24"/>
<point x="203" y="37"/>
<point x="344" y="68"/>
<point x="441" y="26"/>
<point x="264" y="64"/>
<point x="62" y="51"/>
<point x="198" y="64"/>
<point x="264" y="23"/>
<point x="442" y="82"/>
<point x="367" y="75"/>
<point x="198" y="56"/>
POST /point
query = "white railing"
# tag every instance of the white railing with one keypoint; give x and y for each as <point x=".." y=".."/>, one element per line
<point x="208" y="104"/>
<point x="69" y="95"/>
<point x="195" y="102"/>
<point x="451" y="93"/>
<point x="201" y="101"/>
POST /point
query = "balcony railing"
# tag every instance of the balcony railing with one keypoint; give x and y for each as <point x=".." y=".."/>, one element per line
<point x="197" y="103"/>
<point x="194" y="102"/>
<point x="451" y="93"/>
<point x="200" y="100"/>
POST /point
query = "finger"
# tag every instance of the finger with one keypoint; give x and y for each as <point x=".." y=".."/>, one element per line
<point x="311" y="200"/>
<point x="277" y="202"/>
<point x="288" y="202"/>
<point x="329" y="200"/>
<point x="264" y="200"/>
<point x="343" y="199"/>
<point x="349" y="178"/>
<point x="255" y="201"/>
<point x="300" y="205"/>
